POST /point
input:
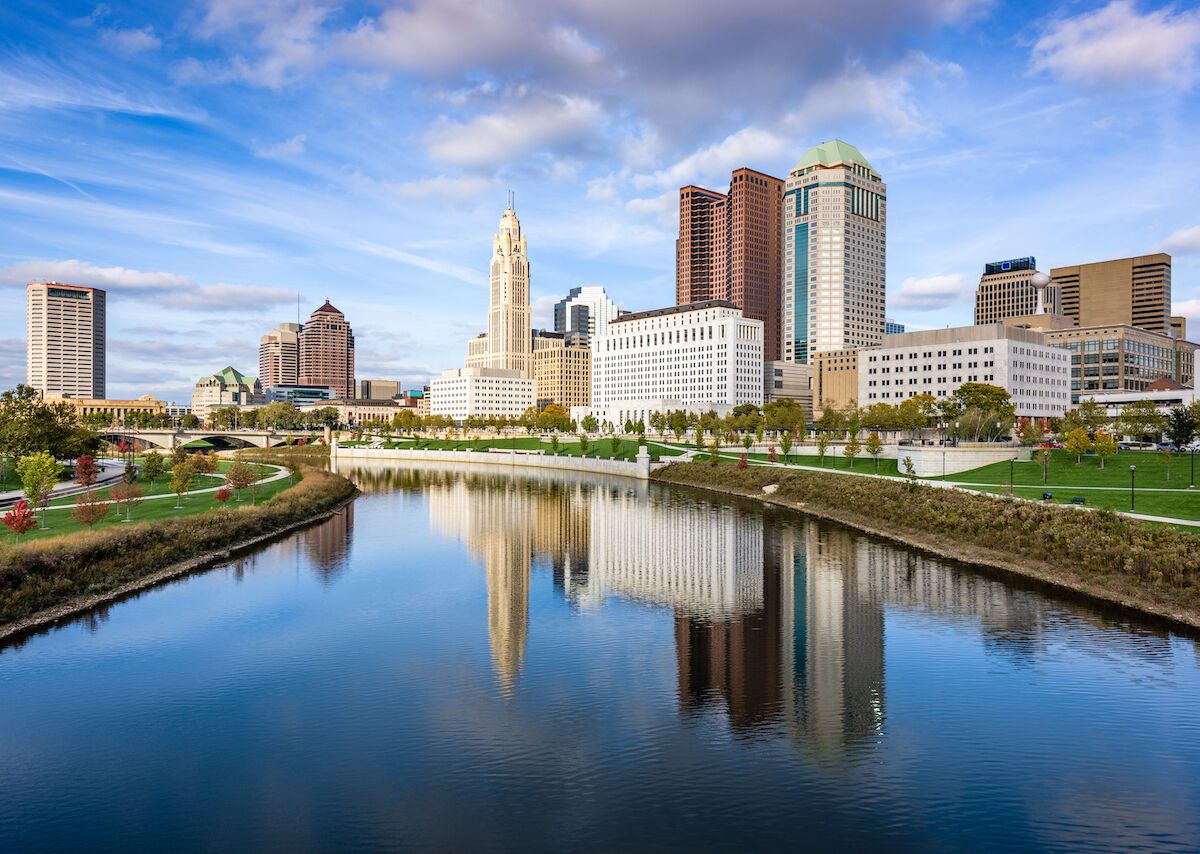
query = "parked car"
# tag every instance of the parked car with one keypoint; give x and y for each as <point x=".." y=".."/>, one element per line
<point x="1136" y="446"/>
<point x="1052" y="445"/>
<point x="1167" y="446"/>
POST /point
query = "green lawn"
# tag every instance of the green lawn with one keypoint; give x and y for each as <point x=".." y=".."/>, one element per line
<point x="163" y="484"/>
<point x="60" y="521"/>
<point x="1064" y="471"/>
<point x="1178" y="505"/>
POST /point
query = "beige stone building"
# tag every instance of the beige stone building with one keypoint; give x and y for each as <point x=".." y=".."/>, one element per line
<point x="562" y="372"/>
<point x="1133" y="291"/>
<point x="352" y="412"/>
<point x="119" y="410"/>
<point x="65" y="340"/>
<point x="834" y="379"/>
<point x="327" y="351"/>
<point x="507" y="345"/>
<point x="1005" y="291"/>
<point x="279" y="356"/>
<point x="1120" y="358"/>
<point x="788" y="380"/>
<point x="229" y="387"/>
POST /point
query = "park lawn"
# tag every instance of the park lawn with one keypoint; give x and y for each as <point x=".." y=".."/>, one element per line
<point x="163" y="485"/>
<point x="1064" y="471"/>
<point x="1175" y="504"/>
<point x="60" y="521"/>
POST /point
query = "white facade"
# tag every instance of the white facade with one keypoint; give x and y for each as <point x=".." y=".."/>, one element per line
<point x="705" y="355"/>
<point x="601" y="310"/>
<point x="65" y="343"/>
<point x="1165" y="401"/>
<point x="938" y="361"/>
<point x="834" y="253"/>
<point x="489" y="392"/>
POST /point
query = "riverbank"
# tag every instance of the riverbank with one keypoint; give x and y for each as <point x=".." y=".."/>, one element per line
<point x="42" y="582"/>
<point x="1151" y="569"/>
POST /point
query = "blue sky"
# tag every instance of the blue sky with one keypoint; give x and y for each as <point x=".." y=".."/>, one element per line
<point x="208" y="160"/>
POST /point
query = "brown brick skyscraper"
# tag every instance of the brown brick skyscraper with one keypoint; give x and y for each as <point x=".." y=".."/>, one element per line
<point x="729" y="248"/>
<point x="327" y="351"/>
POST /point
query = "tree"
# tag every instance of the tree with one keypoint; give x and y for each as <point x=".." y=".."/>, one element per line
<point x="129" y="475"/>
<point x="1078" y="443"/>
<point x="985" y="397"/>
<point x="771" y="455"/>
<point x="714" y="449"/>
<point x="747" y="441"/>
<point x="85" y="470"/>
<point x="785" y="441"/>
<point x="779" y="415"/>
<point x="589" y="424"/>
<point x="614" y="445"/>
<point x="1029" y="434"/>
<point x="875" y="448"/>
<point x="223" y="494"/>
<point x="29" y="424"/>
<point x="127" y="496"/>
<point x="1092" y="415"/>
<point x="179" y="454"/>
<point x="1181" y="427"/>
<point x="658" y="423"/>
<point x="852" y="450"/>
<point x="19" y="518"/>
<point x="181" y="478"/>
<point x="628" y="426"/>
<point x="554" y="444"/>
<point x="89" y="509"/>
<point x="1104" y="445"/>
<point x="153" y="466"/>
<point x="822" y="446"/>
<point x="39" y="472"/>
<point x="1142" y="419"/>
<point x="1043" y="456"/>
<point x="583" y="445"/>
<point x="1166" y="455"/>
<point x="741" y="463"/>
<point x="189" y="422"/>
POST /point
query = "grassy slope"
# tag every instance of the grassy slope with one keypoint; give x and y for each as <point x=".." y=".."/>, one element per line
<point x="627" y="448"/>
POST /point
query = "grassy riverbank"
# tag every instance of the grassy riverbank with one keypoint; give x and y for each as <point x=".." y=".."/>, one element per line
<point x="1152" y="568"/>
<point x="56" y="573"/>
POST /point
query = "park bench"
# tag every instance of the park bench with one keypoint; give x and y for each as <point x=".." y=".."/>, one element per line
<point x="1046" y="496"/>
<point x="1079" y="499"/>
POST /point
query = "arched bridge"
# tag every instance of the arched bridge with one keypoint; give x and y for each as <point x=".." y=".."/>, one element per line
<point x="167" y="438"/>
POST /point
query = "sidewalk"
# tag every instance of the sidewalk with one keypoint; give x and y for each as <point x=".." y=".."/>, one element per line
<point x="108" y="471"/>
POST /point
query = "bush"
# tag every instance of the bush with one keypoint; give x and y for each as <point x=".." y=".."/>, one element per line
<point x="42" y="574"/>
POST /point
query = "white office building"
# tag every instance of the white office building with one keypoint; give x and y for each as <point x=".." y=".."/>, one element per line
<point x="65" y="340"/>
<point x="697" y="357"/>
<point x="938" y="361"/>
<point x="586" y="310"/>
<point x="486" y="392"/>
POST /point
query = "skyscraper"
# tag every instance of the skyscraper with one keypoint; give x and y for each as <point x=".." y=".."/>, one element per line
<point x="729" y="248"/>
<point x="508" y="344"/>
<point x="327" y="351"/>
<point x="585" y="311"/>
<point x="279" y="355"/>
<point x="1136" y="291"/>
<point x="65" y="340"/>
<point x="1004" y="291"/>
<point x="834" y="253"/>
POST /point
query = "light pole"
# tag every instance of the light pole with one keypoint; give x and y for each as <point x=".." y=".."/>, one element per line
<point x="1192" y="485"/>
<point x="956" y="424"/>
<point x="1132" y="474"/>
<point x="1012" y="464"/>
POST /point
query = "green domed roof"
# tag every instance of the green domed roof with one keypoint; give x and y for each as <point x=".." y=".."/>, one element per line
<point x="831" y="152"/>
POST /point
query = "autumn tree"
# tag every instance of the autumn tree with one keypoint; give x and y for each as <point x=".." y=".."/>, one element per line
<point x="875" y="448"/>
<point x="1142" y="419"/>
<point x="851" y="450"/>
<point x="128" y="496"/>
<point x="19" y="518"/>
<point x="1078" y="443"/>
<point x="785" y="442"/>
<point x="153" y="466"/>
<point x="181" y="479"/>
<point x="822" y="446"/>
<point x="39" y="472"/>
<point x="85" y="470"/>
<point x="89" y="509"/>
<point x="1104" y="445"/>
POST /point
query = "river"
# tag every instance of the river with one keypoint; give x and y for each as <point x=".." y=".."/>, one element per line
<point x="494" y="661"/>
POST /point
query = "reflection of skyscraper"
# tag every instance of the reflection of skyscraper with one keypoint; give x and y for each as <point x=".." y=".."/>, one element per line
<point x="328" y="543"/>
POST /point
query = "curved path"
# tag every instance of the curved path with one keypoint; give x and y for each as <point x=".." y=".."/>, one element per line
<point x="279" y="474"/>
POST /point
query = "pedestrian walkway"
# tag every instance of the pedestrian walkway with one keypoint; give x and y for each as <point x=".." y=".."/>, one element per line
<point x="108" y="471"/>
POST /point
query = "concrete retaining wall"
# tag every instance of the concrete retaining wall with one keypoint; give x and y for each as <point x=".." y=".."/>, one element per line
<point x="929" y="461"/>
<point x="639" y="468"/>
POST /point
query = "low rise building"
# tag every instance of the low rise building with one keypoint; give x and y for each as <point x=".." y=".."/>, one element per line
<point x="378" y="389"/>
<point x="354" y="413"/>
<point x="1165" y="394"/>
<point x="788" y="380"/>
<point x="834" y="379"/>
<point x="1120" y="357"/>
<point x="118" y="410"/>
<point x="1034" y="371"/>
<point x="177" y="410"/>
<point x="703" y="356"/>
<point x="228" y="387"/>
<point x="298" y="394"/>
<point x="423" y="409"/>
<point x="461" y="393"/>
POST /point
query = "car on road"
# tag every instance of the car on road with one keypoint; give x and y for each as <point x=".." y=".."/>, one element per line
<point x="1135" y="446"/>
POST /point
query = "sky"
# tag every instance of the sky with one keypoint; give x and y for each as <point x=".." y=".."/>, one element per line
<point x="213" y="162"/>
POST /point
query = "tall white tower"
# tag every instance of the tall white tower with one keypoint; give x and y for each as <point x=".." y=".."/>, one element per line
<point x="834" y="253"/>
<point x="508" y="343"/>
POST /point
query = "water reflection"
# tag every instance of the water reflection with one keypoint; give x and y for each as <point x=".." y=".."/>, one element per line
<point x="779" y="621"/>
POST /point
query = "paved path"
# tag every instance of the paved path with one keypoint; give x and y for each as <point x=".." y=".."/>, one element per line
<point x="108" y="471"/>
<point x="279" y="474"/>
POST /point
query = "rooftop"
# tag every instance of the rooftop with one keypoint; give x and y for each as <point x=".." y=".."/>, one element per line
<point x="830" y="153"/>
<point x="327" y="308"/>
<point x="674" y="309"/>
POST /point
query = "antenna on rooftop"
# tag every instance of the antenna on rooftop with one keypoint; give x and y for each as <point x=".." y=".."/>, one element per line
<point x="512" y="200"/>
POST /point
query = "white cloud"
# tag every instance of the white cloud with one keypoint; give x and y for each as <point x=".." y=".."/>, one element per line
<point x="1115" y="46"/>
<point x="287" y="148"/>
<point x="1191" y="310"/>
<point x="1186" y="241"/>
<point x="504" y="136"/>
<point x="443" y="186"/>
<point x="928" y="291"/>
<point x="542" y="311"/>
<point x="131" y="41"/>
<point x="164" y="288"/>
<point x="276" y="42"/>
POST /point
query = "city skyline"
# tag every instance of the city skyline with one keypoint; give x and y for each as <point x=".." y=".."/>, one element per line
<point x="220" y="175"/>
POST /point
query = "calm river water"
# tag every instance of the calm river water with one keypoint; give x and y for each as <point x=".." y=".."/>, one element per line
<point x="476" y="661"/>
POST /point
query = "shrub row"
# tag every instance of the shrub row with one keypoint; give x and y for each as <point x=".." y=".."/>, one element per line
<point x="1154" y="565"/>
<point x="45" y="574"/>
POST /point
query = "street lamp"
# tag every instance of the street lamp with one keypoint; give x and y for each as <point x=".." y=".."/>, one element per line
<point x="1192" y="485"/>
<point x="1012" y="464"/>
<point x="956" y="425"/>
<point x="1132" y="474"/>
